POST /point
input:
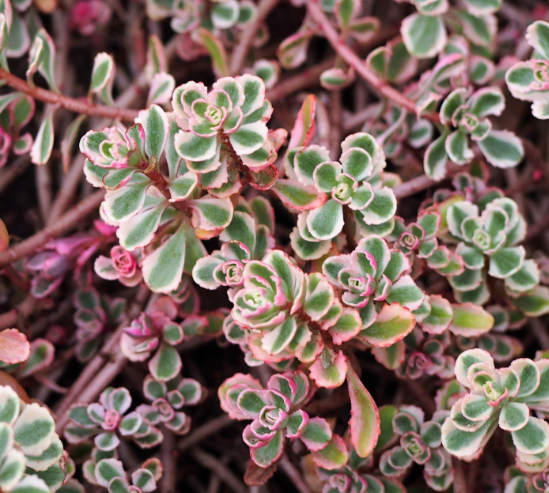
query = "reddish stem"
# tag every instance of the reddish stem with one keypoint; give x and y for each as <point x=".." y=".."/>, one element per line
<point x="354" y="61"/>
<point x="65" y="222"/>
<point x="71" y="104"/>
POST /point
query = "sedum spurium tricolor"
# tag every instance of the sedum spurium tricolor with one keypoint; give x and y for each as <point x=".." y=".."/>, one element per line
<point x="191" y="186"/>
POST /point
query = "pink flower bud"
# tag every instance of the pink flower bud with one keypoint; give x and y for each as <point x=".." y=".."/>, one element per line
<point x="89" y="15"/>
<point x="112" y="418"/>
<point x="123" y="261"/>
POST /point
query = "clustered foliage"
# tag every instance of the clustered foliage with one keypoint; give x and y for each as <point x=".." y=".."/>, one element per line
<point x="267" y="245"/>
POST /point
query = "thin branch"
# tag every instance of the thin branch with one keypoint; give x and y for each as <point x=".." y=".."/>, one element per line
<point x="65" y="223"/>
<point x="354" y="61"/>
<point x="65" y="194"/>
<point x="460" y="482"/>
<point x="71" y="104"/>
<point x="204" y="431"/>
<point x="217" y="467"/>
<point x="13" y="317"/>
<point x="241" y="49"/>
<point x="293" y="473"/>
<point x="169" y="456"/>
<point x="12" y="171"/>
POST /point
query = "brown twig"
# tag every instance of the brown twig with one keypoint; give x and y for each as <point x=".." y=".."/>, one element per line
<point x="241" y="49"/>
<point x="66" y="192"/>
<point x="204" y="431"/>
<point x="65" y="223"/>
<point x="354" y="61"/>
<point x="220" y="469"/>
<point x="11" y="172"/>
<point x="71" y="104"/>
<point x="460" y="482"/>
<point x="11" y="319"/>
<point x="168" y="453"/>
<point x="293" y="473"/>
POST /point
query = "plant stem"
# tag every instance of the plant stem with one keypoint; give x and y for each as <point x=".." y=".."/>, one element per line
<point x="241" y="49"/>
<point x="13" y="171"/>
<point x="66" y="192"/>
<point x="460" y="482"/>
<point x="71" y="104"/>
<point x="204" y="431"/>
<point x="354" y="61"/>
<point x="168" y="453"/>
<point x="65" y="223"/>
<point x="220" y="469"/>
<point x="13" y="317"/>
<point x="293" y="473"/>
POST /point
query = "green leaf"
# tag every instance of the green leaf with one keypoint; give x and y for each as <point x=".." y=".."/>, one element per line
<point x="502" y="149"/>
<point x="216" y="50"/>
<point x="392" y="324"/>
<point x="533" y="438"/>
<point x="166" y="363"/>
<point x="364" y="422"/>
<point x="155" y="124"/>
<point x="298" y="196"/>
<point x="470" y="320"/>
<point x="102" y="74"/>
<point x="424" y="36"/>
<point x="163" y="268"/>
<point x="42" y="58"/>
<point x="43" y="144"/>
<point x="537" y="36"/>
<point x="435" y="158"/>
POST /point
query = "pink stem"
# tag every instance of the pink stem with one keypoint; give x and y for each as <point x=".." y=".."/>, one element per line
<point x="71" y="104"/>
<point x="354" y="61"/>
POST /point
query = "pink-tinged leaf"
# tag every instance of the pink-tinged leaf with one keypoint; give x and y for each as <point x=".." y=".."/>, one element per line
<point x="333" y="456"/>
<point x="392" y="324"/>
<point x="470" y="320"/>
<point x="244" y="381"/>
<point x="304" y="127"/>
<point x="298" y="196"/>
<point x="4" y="237"/>
<point x="216" y="50"/>
<point x="329" y="369"/>
<point x="14" y="347"/>
<point x="364" y="422"/>
<point x="390" y="357"/>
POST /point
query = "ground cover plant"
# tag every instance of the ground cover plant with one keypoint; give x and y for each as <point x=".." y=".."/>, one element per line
<point x="266" y="246"/>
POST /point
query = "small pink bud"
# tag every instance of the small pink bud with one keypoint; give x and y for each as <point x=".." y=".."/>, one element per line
<point x="123" y="261"/>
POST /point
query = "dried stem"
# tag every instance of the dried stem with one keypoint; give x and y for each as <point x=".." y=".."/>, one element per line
<point x="71" y="104"/>
<point x="168" y="453"/>
<point x="204" y="431"/>
<point x="11" y="172"/>
<point x="540" y="331"/>
<point x="43" y="190"/>
<point x="19" y="313"/>
<point x="293" y="473"/>
<point x="220" y="469"/>
<point x="354" y="61"/>
<point x="65" y="223"/>
<point x="460" y="482"/>
<point x="67" y="190"/>
<point x="241" y="49"/>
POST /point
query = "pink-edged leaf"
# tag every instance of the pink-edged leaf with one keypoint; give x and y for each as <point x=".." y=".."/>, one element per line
<point x="14" y="346"/>
<point x="392" y="324"/>
<point x="333" y="456"/>
<point x="329" y="369"/>
<point x="364" y="422"/>
<point x="298" y="196"/>
<point x="304" y="127"/>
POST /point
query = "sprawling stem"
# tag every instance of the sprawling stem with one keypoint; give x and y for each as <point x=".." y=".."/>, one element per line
<point x="354" y="61"/>
<point x="76" y="105"/>
<point x="241" y="49"/>
<point x="64" y="224"/>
